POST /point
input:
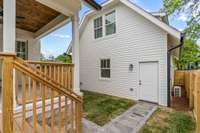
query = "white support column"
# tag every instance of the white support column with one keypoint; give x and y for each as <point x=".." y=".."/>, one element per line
<point x="75" y="52"/>
<point x="9" y="25"/>
<point x="9" y="33"/>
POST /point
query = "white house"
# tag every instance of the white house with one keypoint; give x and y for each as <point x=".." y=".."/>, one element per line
<point x="123" y="52"/>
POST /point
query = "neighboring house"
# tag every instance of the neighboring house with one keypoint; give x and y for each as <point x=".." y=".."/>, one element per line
<point x="123" y="52"/>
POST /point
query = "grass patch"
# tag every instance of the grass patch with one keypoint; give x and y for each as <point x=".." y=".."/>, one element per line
<point x="101" y="108"/>
<point x="166" y="120"/>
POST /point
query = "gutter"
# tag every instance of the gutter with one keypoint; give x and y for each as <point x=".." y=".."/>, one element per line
<point x="93" y="4"/>
<point x="169" y="67"/>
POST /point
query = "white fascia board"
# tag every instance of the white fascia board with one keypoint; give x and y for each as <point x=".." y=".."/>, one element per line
<point x="58" y="22"/>
<point x="69" y="49"/>
<point x="66" y="7"/>
<point x="162" y="14"/>
<point x="172" y="31"/>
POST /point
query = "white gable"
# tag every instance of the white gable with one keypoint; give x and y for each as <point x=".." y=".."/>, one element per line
<point x="169" y="29"/>
<point x="174" y="34"/>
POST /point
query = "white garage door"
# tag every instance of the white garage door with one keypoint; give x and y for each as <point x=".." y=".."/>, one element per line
<point x="148" y="82"/>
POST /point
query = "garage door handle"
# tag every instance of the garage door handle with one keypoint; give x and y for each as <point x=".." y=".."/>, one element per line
<point x="140" y="83"/>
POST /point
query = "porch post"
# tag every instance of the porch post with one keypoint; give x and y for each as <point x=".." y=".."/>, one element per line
<point x="75" y="52"/>
<point x="9" y="33"/>
<point x="9" y="25"/>
<point x="7" y="94"/>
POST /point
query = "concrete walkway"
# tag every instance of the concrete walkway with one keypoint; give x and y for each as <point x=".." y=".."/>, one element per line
<point x="129" y="122"/>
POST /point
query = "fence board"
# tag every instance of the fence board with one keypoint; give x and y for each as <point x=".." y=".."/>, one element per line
<point x="190" y="80"/>
<point x="197" y="104"/>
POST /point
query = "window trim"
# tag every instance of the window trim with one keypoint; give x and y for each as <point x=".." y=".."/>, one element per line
<point x="115" y="22"/>
<point x="97" y="28"/>
<point x="100" y="77"/>
<point x="104" y="25"/>
<point x="26" y="47"/>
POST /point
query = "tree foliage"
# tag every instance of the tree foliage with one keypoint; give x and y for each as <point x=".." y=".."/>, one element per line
<point x="191" y="9"/>
<point x="189" y="55"/>
<point x="42" y="57"/>
<point x="65" y="58"/>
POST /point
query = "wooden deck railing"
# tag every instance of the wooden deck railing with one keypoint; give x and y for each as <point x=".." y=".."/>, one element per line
<point x="59" y="109"/>
<point x="59" y="73"/>
<point x="190" y="80"/>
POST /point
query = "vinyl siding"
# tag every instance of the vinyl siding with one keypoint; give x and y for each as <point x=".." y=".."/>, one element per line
<point x="136" y="40"/>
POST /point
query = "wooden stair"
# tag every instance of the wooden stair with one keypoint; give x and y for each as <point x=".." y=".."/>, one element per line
<point x="44" y="89"/>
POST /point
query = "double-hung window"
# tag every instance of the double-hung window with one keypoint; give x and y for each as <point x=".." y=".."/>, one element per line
<point x="98" y="28"/>
<point x="22" y="49"/>
<point x="105" y="68"/>
<point x="110" y="23"/>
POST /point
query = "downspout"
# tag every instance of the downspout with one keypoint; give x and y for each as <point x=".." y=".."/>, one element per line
<point x="169" y="67"/>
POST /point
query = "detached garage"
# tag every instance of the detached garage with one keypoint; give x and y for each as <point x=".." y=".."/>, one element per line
<point x="124" y="52"/>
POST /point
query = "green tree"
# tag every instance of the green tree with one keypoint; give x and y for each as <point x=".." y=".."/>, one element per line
<point x="190" y="8"/>
<point x="65" y="58"/>
<point x="189" y="55"/>
<point x="42" y="57"/>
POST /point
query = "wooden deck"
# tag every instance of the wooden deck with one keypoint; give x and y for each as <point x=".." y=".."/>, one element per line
<point x="29" y="129"/>
<point x="18" y="123"/>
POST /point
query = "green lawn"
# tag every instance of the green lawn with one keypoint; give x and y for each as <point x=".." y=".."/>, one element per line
<point x="101" y="108"/>
<point x="166" y="120"/>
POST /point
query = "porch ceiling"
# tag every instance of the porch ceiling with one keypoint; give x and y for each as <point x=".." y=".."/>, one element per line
<point x="32" y="15"/>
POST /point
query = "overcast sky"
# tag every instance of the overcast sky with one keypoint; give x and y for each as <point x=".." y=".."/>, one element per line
<point x="57" y="42"/>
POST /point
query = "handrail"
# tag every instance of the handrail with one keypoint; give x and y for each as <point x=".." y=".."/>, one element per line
<point x="61" y="100"/>
<point x="48" y="62"/>
<point x="42" y="74"/>
<point x="34" y="75"/>
<point x="7" y="54"/>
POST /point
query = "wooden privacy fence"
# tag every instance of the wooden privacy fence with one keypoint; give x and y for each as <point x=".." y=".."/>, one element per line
<point x="179" y="78"/>
<point x="190" y="80"/>
<point x="59" y="112"/>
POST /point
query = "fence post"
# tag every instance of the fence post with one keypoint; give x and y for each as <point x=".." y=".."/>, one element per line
<point x="78" y="117"/>
<point x="192" y="86"/>
<point x="198" y="102"/>
<point x="186" y="84"/>
<point x="7" y="94"/>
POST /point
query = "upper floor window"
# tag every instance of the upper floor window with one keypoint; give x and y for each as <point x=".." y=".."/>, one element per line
<point x="98" y="28"/>
<point x="22" y="49"/>
<point x="110" y="23"/>
<point x="105" y="68"/>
